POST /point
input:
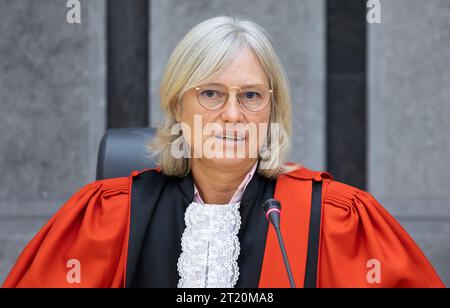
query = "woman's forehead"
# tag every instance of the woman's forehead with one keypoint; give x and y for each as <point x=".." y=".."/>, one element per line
<point x="245" y="69"/>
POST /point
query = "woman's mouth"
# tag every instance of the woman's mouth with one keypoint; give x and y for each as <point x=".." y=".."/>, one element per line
<point x="230" y="137"/>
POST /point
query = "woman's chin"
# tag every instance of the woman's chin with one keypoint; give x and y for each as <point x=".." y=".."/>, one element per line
<point x="232" y="162"/>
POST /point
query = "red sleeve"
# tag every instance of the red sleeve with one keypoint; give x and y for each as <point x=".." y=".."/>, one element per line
<point x="83" y="245"/>
<point x="364" y="246"/>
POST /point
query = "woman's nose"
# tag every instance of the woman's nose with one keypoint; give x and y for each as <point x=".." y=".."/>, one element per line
<point x="232" y="111"/>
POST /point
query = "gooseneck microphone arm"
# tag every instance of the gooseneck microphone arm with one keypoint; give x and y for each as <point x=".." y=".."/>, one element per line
<point x="272" y="209"/>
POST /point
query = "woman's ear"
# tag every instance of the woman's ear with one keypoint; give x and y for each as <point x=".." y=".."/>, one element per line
<point x="178" y="108"/>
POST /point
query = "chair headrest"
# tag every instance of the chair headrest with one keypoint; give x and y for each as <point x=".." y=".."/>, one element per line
<point x="123" y="150"/>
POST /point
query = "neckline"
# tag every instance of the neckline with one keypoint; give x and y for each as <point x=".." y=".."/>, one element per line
<point x="186" y="185"/>
<point x="212" y="205"/>
<point x="239" y="190"/>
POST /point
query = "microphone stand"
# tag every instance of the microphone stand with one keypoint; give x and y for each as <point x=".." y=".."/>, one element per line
<point x="285" y="258"/>
<point x="272" y="209"/>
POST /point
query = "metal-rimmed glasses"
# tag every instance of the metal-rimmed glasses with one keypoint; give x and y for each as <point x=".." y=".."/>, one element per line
<point x="213" y="96"/>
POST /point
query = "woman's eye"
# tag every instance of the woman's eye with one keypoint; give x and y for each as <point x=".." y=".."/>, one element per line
<point x="250" y="95"/>
<point x="209" y="93"/>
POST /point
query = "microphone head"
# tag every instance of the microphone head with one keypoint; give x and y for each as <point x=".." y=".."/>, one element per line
<point x="271" y="204"/>
<point x="272" y="209"/>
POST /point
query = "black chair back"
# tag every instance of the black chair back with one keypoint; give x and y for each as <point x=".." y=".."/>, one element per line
<point x="123" y="150"/>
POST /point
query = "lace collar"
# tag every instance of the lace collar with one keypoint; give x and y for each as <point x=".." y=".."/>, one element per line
<point x="210" y="246"/>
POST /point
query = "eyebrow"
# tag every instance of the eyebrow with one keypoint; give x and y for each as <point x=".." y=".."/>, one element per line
<point x="241" y="86"/>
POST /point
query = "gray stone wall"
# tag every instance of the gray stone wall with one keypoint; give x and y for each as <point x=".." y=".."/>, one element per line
<point x="298" y="30"/>
<point x="52" y="109"/>
<point x="409" y="112"/>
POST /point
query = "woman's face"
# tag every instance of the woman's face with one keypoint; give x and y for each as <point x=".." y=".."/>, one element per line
<point x="229" y="136"/>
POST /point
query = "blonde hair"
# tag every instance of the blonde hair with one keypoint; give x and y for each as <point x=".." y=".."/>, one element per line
<point x="206" y="51"/>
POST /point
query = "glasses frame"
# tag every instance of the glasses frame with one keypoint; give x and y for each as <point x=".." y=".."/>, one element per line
<point x="238" y="96"/>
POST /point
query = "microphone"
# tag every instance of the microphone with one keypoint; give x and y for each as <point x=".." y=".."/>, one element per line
<point x="272" y="209"/>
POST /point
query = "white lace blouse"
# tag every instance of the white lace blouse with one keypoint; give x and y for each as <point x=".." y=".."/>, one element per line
<point x="210" y="243"/>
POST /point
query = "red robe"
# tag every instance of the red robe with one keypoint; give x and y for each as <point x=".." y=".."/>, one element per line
<point x="93" y="228"/>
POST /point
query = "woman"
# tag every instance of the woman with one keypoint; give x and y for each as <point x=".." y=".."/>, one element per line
<point x="197" y="220"/>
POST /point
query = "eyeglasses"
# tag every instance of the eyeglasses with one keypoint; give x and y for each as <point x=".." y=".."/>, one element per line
<point x="214" y="96"/>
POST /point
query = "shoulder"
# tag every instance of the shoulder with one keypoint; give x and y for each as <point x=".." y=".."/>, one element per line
<point x="104" y="190"/>
<point x="341" y="191"/>
<point x="120" y="185"/>
<point x="342" y="198"/>
<point x="334" y="193"/>
<point x="303" y="173"/>
<point x="113" y="193"/>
